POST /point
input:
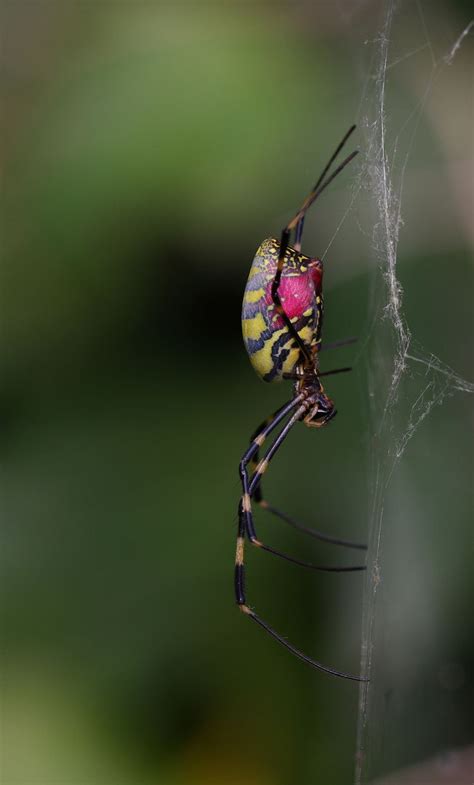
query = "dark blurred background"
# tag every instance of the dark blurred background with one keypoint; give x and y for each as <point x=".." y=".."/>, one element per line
<point x="148" y="148"/>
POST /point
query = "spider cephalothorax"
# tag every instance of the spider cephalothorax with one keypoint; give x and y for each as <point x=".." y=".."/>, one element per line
<point x="320" y="409"/>
<point x="282" y="316"/>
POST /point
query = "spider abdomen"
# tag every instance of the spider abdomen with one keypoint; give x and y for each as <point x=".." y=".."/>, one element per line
<point x="270" y="346"/>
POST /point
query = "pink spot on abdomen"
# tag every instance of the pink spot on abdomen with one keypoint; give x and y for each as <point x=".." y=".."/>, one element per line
<point x="297" y="295"/>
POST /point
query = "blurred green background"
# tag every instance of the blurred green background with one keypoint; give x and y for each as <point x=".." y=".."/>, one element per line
<point x="148" y="149"/>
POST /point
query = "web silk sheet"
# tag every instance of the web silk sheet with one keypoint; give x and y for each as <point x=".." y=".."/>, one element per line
<point x="408" y="384"/>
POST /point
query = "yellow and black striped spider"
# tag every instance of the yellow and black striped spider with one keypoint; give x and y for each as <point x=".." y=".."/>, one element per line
<point x="282" y="316"/>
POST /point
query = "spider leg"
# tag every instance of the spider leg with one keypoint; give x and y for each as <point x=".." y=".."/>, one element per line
<point x="242" y="528"/>
<point x="296" y="376"/>
<point x="308" y="530"/>
<point x="317" y="192"/>
<point x="300" y="225"/>
<point x="257" y="497"/>
<point x="245" y="504"/>
<point x="336" y="344"/>
<point x="314" y="663"/>
<point x="279" y="415"/>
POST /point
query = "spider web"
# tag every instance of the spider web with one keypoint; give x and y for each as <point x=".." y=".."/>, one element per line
<point x="406" y="382"/>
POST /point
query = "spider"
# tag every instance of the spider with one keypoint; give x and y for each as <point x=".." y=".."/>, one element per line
<point x="282" y="317"/>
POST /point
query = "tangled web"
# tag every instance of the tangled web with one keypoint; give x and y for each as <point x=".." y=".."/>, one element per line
<point x="430" y="379"/>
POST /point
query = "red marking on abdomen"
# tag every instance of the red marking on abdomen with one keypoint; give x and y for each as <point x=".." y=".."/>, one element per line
<point x="297" y="295"/>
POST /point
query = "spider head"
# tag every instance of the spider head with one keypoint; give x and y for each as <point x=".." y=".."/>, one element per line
<point x="321" y="412"/>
